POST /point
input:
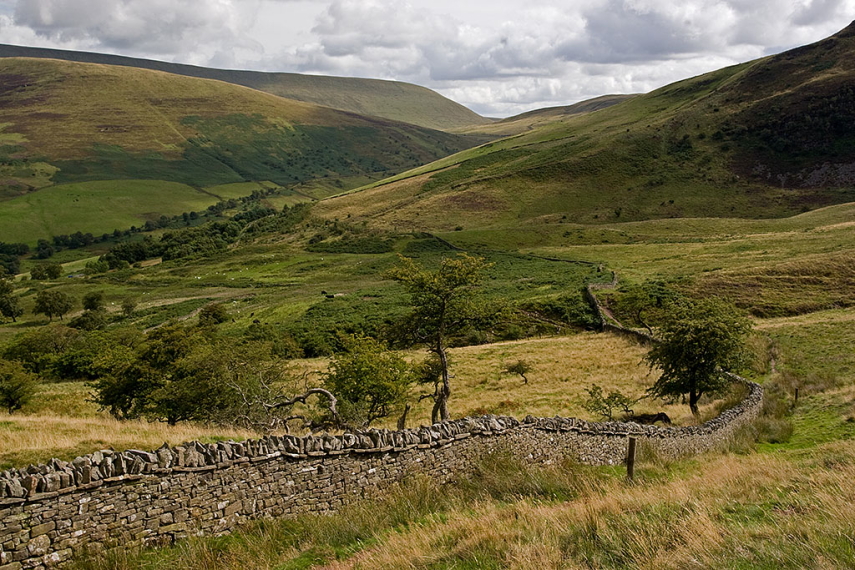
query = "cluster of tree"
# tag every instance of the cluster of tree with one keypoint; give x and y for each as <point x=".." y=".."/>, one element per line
<point x="182" y="372"/>
<point x="10" y="257"/>
<point x="190" y="373"/>
<point x="46" y="271"/>
<point x="56" y="303"/>
<point x="47" y="248"/>
<point x="207" y="239"/>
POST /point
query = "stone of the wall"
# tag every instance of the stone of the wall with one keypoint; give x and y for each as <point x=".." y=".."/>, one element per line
<point x="49" y="512"/>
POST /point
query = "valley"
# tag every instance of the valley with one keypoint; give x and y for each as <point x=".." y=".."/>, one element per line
<point x="282" y="221"/>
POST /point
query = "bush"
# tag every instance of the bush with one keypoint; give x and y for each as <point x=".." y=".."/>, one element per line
<point x="213" y="314"/>
<point x="599" y="404"/>
<point x="17" y="386"/>
<point x="369" y="382"/>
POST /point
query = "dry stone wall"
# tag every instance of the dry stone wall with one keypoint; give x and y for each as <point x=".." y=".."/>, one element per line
<point x="105" y="499"/>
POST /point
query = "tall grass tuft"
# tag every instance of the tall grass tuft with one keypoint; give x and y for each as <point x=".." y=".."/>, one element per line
<point x="503" y="477"/>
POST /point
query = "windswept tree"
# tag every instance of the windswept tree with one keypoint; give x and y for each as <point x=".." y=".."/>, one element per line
<point x="699" y="342"/>
<point x="521" y="368"/>
<point x="444" y="304"/>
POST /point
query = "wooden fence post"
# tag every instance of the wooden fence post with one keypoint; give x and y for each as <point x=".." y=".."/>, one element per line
<point x="630" y="459"/>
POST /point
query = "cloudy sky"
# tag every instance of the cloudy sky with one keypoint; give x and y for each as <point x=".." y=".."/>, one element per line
<point x="498" y="57"/>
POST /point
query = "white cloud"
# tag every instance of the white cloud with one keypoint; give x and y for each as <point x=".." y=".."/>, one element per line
<point x="499" y="57"/>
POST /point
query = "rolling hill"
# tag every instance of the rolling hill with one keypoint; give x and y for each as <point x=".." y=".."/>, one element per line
<point x="76" y="123"/>
<point x="393" y="100"/>
<point x="768" y="138"/>
<point x="540" y="117"/>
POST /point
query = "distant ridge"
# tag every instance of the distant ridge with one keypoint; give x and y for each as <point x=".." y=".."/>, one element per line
<point x="767" y="138"/>
<point x="394" y="100"/>
<point x="538" y="117"/>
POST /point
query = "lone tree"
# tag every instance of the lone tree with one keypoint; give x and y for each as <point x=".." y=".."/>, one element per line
<point x="9" y="306"/>
<point x="444" y="304"/>
<point x="51" y="303"/>
<point x="699" y="342"/>
<point x="520" y="367"/>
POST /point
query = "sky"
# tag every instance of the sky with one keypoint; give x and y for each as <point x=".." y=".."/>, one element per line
<point x="497" y="57"/>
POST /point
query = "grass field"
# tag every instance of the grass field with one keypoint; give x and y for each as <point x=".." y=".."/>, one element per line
<point x="562" y="369"/>
<point x="782" y="505"/>
<point x="95" y="207"/>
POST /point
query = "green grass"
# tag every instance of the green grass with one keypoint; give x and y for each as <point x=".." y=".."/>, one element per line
<point x="689" y="149"/>
<point x="187" y="130"/>
<point x="96" y="207"/>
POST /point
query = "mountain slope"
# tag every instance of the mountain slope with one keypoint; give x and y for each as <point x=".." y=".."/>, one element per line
<point x="76" y="126"/>
<point x="394" y="100"/>
<point x="767" y="138"/>
<point x="539" y="117"/>
<point x="97" y="122"/>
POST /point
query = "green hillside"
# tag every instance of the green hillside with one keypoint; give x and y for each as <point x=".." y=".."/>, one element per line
<point x="768" y="138"/>
<point x="540" y="117"/>
<point x="394" y="100"/>
<point x="80" y="123"/>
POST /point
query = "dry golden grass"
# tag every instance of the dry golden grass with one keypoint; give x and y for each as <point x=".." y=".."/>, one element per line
<point x="62" y="422"/>
<point x="38" y="438"/>
<point x="562" y="369"/>
<point x="755" y="511"/>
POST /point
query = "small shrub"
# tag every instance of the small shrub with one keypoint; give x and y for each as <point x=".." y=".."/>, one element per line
<point x="599" y="404"/>
<point x="213" y="314"/>
<point x="129" y="305"/>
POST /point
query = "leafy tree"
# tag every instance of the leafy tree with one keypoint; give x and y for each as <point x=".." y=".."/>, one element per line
<point x="44" y="249"/>
<point x="369" y="381"/>
<point x="520" y="367"/>
<point x="129" y="305"/>
<point x="38" y="272"/>
<point x="53" y="270"/>
<point x="154" y="381"/>
<point x="94" y="301"/>
<point x="444" y="304"/>
<point x="91" y="355"/>
<point x="38" y="350"/>
<point x="89" y="320"/>
<point x="698" y="342"/>
<point x="93" y="267"/>
<point x="600" y="404"/>
<point x="17" y="386"/>
<point x="9" y="306"/>
<point x="50" y="302"/>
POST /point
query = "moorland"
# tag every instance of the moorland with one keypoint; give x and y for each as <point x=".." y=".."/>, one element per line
<point x="282" y="219"/>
